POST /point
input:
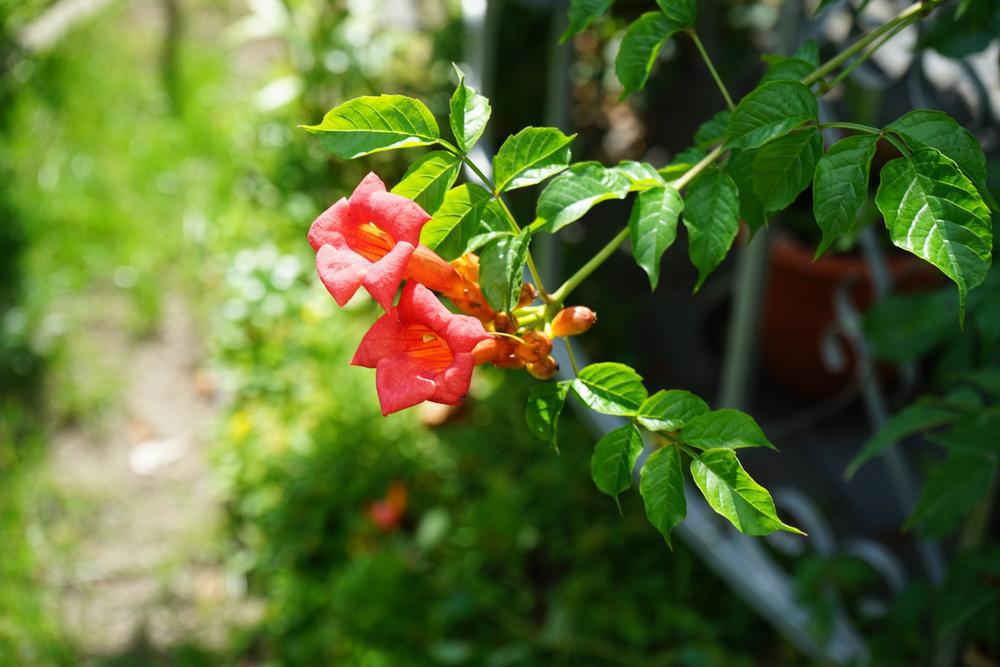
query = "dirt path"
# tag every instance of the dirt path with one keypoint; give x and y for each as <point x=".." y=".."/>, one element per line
<point x="135" y="561"/>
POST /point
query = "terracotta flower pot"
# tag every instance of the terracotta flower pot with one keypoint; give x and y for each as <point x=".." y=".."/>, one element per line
<point x="799" y="310"/>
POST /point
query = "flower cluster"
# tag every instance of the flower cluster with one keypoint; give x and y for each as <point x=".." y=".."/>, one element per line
<point x="419" y="349"/>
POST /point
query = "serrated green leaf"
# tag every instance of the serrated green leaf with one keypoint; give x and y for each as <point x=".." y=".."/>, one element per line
<point x="610" y="388"/>
<point x="614" y="457"/>
<point x="428" y="179"/>
<point x="809" y="52"/>
<point x="934" y="211"/>
<point x="840" y="186"/>
<point x="783" y="68"/>
<point x="711" y="215"/>
<point x="914" y="418"/>
<point x="954" y="488"/>
<point x="661" y="485"/>
<point x="575" y="191"/>
<point x="731" y="492"/>
<point x="545" y="404"/>
<point x="934" y="129"/>
<point x="769" y="111"/>
<point x="784" y="167"/>
<point x="740" y="169"/>
<point x="640" y="46"/>
<point x="653" y="227"/>
<point x="582" y="13"/>
<point x="727" y="428"/>
<point x="682" y="12"/>
<point x="669" y="410"/>
<point x="977" y="436"/>
<point x="530" y="156"/>
<point x="370" y="124"/>
<point x="501" y="269"/>
<point x="457" y="221"/>
<point x="470" y="112"/>
<point x="641" y="175"/>
<point x="712" y="131"/>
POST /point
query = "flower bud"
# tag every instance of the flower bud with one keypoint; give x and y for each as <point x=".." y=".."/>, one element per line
<point x="528" y="294"/>
<point x="509" y="361"/>
<point x="534" y="346"/>
<point x="573" y="321"/>
<point x="467" y="266"/>
<point x="485" y="351"/>
<point x="544" y="369"/>
<point x="505" y="323"/>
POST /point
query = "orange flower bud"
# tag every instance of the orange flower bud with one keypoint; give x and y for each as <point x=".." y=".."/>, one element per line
<point x="544" y="369"/>
<point x="534" y="346"/>
<point x="470" y="300"/>
<point x="528" y="294"/>
<point x="509" y="361"/>
<point x="573" y="321"/>
<point x="505" y="323"/>
<point x="486" y="350"/>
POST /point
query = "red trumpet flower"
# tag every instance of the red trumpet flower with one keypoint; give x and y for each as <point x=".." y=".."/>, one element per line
<point x="420" y="351"/>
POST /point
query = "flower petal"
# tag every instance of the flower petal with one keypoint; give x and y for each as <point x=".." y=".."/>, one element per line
<point x="400" y="385"/>
<point x="418" y="304"/>
<point x="464" y="333"/>
<point x="341" y="269"/>
<point x="401" y="217"/>
<point x="331" y="221"/>
<point x="384" y="276"/>
<point x="384" y="339"/>
<point x="452" y="384"/>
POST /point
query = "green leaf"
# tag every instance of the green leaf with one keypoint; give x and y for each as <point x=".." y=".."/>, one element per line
<point x="809" y="52"/>
<point x="572" y="193"/>
<point x="530" y="156"/>
<point x="769" y="111"/>
<point x="545" y="404"/>
<point x="934" y="211"/>
<point x="670" y="410"/>
<point x="613" y="459"/>
<point x="661" y="485"/>
<point x="470" y="112"/>
<point x="934" y="129"/>
<point x="371" y="124"/>
<point x="914" y="418"/>
<point x="783" y="168"/>
<point x="582" y="13"/>
<point x="711" y="215"/>
<point x="428" y="179"/>
<point x="954" y="488"/>
<point x="640" y="46"/>
<point x="641" y="175"/>
<point x="682" y="12"/>
<point x="906" y="327"/>
<point x="735" y="495"/>
<point x="681" y="163"/>
<point x="823" y="4"/>
<point x="740" y="169"/>
<point x="712" y="131"/>
<point x="457" y="221"/>
<point x="841" y="186"/>
<point x="783" y="68"/>
<point x="501" y="269"/>
<point x="610" y="388"/>
<point x="976" y="436"/>
<point x="653" y="227"/>
<point x="730" y="429"/>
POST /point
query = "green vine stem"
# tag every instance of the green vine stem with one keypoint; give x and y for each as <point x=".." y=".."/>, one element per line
<point x="711" y="69"/>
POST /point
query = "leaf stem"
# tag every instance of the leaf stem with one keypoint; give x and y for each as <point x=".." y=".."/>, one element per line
<point x="700" y="166"/>
<point x="574" y="280"/>
<point x="908" y="15"/>
<point x="711" y="69"/>
<point x="857" y="127"/>
<point x="857" y="62"/>
<point x="571" y="355"/>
